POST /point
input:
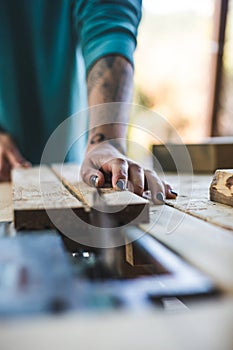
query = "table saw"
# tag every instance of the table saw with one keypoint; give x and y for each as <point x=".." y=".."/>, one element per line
<point x="173" y="271"/>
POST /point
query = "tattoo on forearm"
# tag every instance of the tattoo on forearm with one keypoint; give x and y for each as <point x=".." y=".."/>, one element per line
<point x="111" y="79"/>
<point x="97" y="138"/>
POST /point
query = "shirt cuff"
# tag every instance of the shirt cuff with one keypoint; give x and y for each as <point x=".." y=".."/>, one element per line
<point x="111" y="44"/>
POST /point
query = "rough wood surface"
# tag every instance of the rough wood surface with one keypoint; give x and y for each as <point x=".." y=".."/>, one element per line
<point x="6" y="212"/>
<point x="36" y="192"/>
<point x="194" y="199"/>
<point x="43" y="198"/>
<point x="208" y="247"/>
<point x="221" y="188"/>
<point x="123" y="206"/>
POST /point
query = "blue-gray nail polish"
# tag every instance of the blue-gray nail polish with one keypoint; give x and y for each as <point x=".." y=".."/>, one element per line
<point x="173" y="192"/>
<point x="94" y="180"/>
<point x="160" y="197"/>
<point x="120" y="185"/>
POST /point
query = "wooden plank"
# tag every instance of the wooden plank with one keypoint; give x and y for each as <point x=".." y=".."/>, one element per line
<point x="194" y="199"/>
<point x="207" y="247"/>
<point x="206" y="157"/>
<point x="221" y="188"/>
<point x="6" y="212"/>
<point x="122" y="207"/>
<point x="37" y="192"/>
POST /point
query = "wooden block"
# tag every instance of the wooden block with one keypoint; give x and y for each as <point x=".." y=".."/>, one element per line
<point x="221" y="188"/>
<point x="36" y="193"/>
<point x="122" y="207"/>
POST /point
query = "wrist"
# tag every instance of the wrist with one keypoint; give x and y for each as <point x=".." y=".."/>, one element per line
<point x="113" y="134"/>
<point x="99" y="138"/>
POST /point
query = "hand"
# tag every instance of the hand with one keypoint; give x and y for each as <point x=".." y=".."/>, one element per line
<point x="105" y="163"/>
<point x="10" y="157"/>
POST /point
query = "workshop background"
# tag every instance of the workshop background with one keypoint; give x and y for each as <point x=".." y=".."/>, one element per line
<point x="171" y="288"/>
<point x="175" y="68"/>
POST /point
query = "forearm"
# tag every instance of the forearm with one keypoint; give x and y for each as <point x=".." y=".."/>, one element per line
<point x="109" y="80"/>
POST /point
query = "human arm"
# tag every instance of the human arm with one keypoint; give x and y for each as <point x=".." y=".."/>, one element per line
<point x="109" y="81"/>
<point x="107" y="34"/>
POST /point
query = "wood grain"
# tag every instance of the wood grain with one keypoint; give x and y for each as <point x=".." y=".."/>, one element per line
<point x="194" y="199"/>
<point x="46" y="198"/>
<point x="207" y="247"/>
<point x="221" y="188"/>
<point x="6" y="212"/>
<point x="37" y="192"/>
<point x="122" y="207"/>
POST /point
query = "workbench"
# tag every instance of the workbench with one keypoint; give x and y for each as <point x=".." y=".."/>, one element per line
<point x="199" y="231"/>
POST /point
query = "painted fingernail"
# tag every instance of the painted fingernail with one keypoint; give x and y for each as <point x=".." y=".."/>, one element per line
<point x="120" y="185"/>
<point x="94" y="180"/>
<point x="173" y="192"/>
<point x="160" y="197"/>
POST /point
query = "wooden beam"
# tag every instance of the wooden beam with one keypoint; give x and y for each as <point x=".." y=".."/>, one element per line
<point x="37" y="192"/>
<point x="45" y="198"/>
<point x="121" y="207"/>
<point x="208" y="247"/>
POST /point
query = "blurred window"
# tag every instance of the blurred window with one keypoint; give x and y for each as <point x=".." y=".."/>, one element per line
<point x="225" y="108"/>
<point x="173" y="63"/>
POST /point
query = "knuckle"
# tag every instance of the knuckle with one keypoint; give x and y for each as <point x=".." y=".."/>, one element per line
<point x="136" y="168"/>
<point x="120" y="161"/>
<point x="83" y="172"/>
<point x="149" y="172"/>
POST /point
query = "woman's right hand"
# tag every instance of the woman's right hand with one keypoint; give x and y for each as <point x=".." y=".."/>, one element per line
<point x="10" y="157"/>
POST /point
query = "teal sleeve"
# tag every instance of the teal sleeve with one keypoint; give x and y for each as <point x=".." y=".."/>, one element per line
<point x="107" y="27"/>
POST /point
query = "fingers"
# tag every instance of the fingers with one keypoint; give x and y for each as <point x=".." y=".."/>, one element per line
<point x="170" y="193"/>
<point x="92" y="176"/>
<point x="106" y="165"/>
<point x="10" y="157"/>
<point x="156" y="186"/>
<point x="119" y="170"/>
<point x="136" y="179"/>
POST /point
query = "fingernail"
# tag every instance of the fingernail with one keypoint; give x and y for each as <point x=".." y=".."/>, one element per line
<point x="160" y="197"/>
<point x="173" y="192"/>
<point x="26" y="164"/>
<point x="120" y="185"/>
<point x="94" y="180"/>
<point x="146" y="195"/>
